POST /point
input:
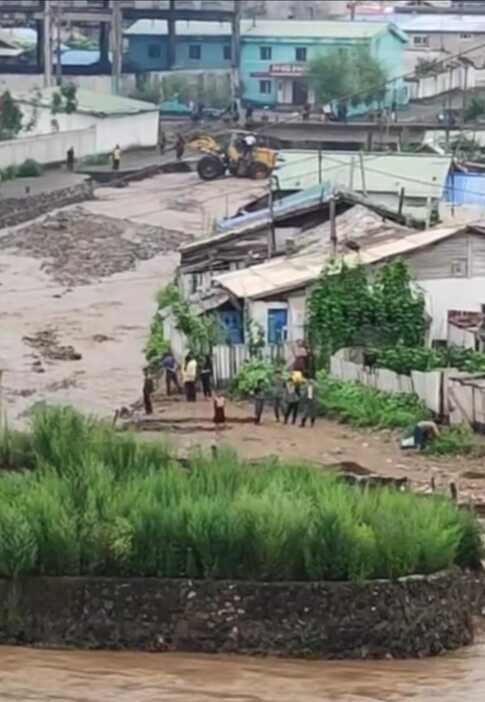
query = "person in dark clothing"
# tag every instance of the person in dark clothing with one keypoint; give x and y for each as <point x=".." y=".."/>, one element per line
<point x="179" y="147"/>
<point x="249" y="113"/>
<point x="306" y="111"/>
<point x="148" y="390"/>
<point x="162" y="142"/>
<point x="258" y="402"/>
<point x="278" y="394"/>
<point x="291" y="402"/>
<point x="169" y="365"/>
<point x="116" y="157"/>
<point x="309" y="403"/>
<point x="70" y="159"/>
<point x="206" y="376"/>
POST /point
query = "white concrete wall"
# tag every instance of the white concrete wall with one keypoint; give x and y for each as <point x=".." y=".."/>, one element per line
<point x="460" y="337"/>
<point x="48" y="148"/>
<point x="21" y="83"/>
<point x="140" y="130"/>
<point x="451" y="294"/>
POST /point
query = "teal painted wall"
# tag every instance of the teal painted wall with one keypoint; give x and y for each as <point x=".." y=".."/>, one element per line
<point x="211" y="52"/>
<point x="387" y="48"/>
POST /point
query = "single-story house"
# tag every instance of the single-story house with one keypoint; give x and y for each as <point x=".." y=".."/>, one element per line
<point x="447" y="263"/>
<point x="117" y="120"/>
<point x="419" y="180"/>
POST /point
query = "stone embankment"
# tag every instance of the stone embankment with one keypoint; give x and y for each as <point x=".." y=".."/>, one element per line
<point x="412" y="617"/>
<point x="15" y="210"/>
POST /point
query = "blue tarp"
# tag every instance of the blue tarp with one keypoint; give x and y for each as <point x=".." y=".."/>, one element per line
<point x="466" y="189"/>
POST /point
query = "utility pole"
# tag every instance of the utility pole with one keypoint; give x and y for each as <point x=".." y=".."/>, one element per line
<point x="117" y="46"/>
<point x="320" y="165"/>
<point x="236" y="53"/>
<point x="172" y="36"/>
<point x="465" y="93"/>
<point x="47" y="48"/>
<point x="271" y="232"/>
<point x="58" y="24"/>
<point x="333" y="226"/>
<point x="362" y="173"/>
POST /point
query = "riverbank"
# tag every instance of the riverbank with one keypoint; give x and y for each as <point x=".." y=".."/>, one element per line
<point x="408" y="618"/>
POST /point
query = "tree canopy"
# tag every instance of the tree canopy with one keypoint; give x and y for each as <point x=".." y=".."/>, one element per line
<point x="10" y="117"/>
<point x="352" y="74"/>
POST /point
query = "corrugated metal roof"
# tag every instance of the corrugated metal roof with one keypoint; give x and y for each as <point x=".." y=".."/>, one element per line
<point x="24" y="37"/>
<point x="421" y="175"/>
<point x="103" y="104"/>
<point x="293" y="272"/>
<point x="308" y="29"/>
<point x="183" y="28"/>
<point x="449" y="24"/>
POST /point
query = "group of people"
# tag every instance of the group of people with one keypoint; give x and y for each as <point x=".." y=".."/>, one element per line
<point x="292" y="394"/>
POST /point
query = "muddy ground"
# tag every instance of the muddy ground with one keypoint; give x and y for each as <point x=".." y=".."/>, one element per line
<point x="190" y="427"/>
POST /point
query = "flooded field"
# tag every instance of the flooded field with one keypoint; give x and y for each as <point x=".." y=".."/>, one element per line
<point x="37" y="675"/>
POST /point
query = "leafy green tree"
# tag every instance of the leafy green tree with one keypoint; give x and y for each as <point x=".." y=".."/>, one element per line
<point x="475" y="109"/>
<point x="64" y="100"/>
<point x="352" y="74"/>
<point x="10" y="117"/>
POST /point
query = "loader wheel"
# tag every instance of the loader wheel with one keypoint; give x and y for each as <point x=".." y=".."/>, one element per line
<point x="210" y="168"/>
<point x="258" y="171"/>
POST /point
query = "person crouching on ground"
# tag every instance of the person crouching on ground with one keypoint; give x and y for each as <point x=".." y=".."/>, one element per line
<point x="190" y="378"/>
<point x="258" y="401"/>
<point x="148" y="390"/>
<point x="309" y="403"/>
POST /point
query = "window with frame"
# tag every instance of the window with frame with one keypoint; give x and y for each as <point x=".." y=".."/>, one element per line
<point x="459" y="268"/>
<point x="154" y="51"/>
<point x="195" y="52"/>
<point x="227" y="52"/>
<point x="300" y="54"/>
<point x="421" y="40"/>
<point x="265" y="53"/>
<point x="265" y="87"/>
<point x="466" y="35"/>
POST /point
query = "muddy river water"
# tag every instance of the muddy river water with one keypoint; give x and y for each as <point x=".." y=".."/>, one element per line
<point x="35" y="675"/>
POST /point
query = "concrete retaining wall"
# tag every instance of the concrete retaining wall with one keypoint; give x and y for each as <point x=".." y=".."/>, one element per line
<point x="417" y="616"/>
<point x="15" y="210"/>
<point x="48" y="148"/>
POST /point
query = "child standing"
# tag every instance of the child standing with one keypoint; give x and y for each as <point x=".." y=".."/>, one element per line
<point x="219" y="409"/>
<point x="291" y="401"/>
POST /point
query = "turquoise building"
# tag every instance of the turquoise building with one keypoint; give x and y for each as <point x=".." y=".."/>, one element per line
<point x="275" y="55"/>
<point x="199" y="45"/>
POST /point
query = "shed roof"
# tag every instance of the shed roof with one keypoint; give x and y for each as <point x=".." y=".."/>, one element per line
<point x="307" y="29"/>
<point x="377" y="242"/>
<point x="101" y="104"/>
<point x="449" y="24"/>
<point x="421" y="175"/>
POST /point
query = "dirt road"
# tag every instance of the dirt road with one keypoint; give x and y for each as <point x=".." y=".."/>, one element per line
<point x="90" y="276"/>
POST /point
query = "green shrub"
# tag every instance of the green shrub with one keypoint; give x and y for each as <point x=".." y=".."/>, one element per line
<point x="456" y="441"/>
<point x="363" y="406"/>
<point x="29" y="169"/>
<point x="100" y="503"/>
<point x="9" y="173"/>
<point x="402" y="359"/>
<point x="251" y="374"/>
<point x="96" y="159"/>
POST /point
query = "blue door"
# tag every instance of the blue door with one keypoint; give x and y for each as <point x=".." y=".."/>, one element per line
<point x="233" y="325"/>
<point x="277" y="325"/>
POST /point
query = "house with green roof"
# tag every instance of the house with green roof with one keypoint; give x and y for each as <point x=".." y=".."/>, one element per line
<point x="275" y="56"/>
<point x="112" y="118"/>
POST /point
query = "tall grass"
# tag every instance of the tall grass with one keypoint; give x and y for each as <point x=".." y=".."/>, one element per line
<point x="100" y="503"/>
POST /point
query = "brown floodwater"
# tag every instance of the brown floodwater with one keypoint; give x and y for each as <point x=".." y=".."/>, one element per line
<point x="31" y="675"/>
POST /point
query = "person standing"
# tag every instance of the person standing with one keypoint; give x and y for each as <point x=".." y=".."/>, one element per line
<point x="309" y="403"/>
<point x="291" y="402"/>
<point x="219" y="409"/>
<point x="206" y="376"/>
<point x="116" y="157"/>
<point x="259" y="402"/>
<point x="179" y="147"/>
<point x="169" y="365"/>
<point x="190" y="378"/>
<point x="162" y="142"/>
<point x="148" y="390"/>
<point x="70" y="159"/>
<point x="278" y="394"/>
<point x="301" y="357"/>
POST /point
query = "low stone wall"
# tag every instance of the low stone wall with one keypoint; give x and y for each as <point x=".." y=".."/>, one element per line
<point x="16" y="210"/>
<point x="417" y="616"/>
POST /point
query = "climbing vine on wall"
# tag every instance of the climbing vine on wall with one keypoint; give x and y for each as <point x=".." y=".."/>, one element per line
<point x="346" y="309"/>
